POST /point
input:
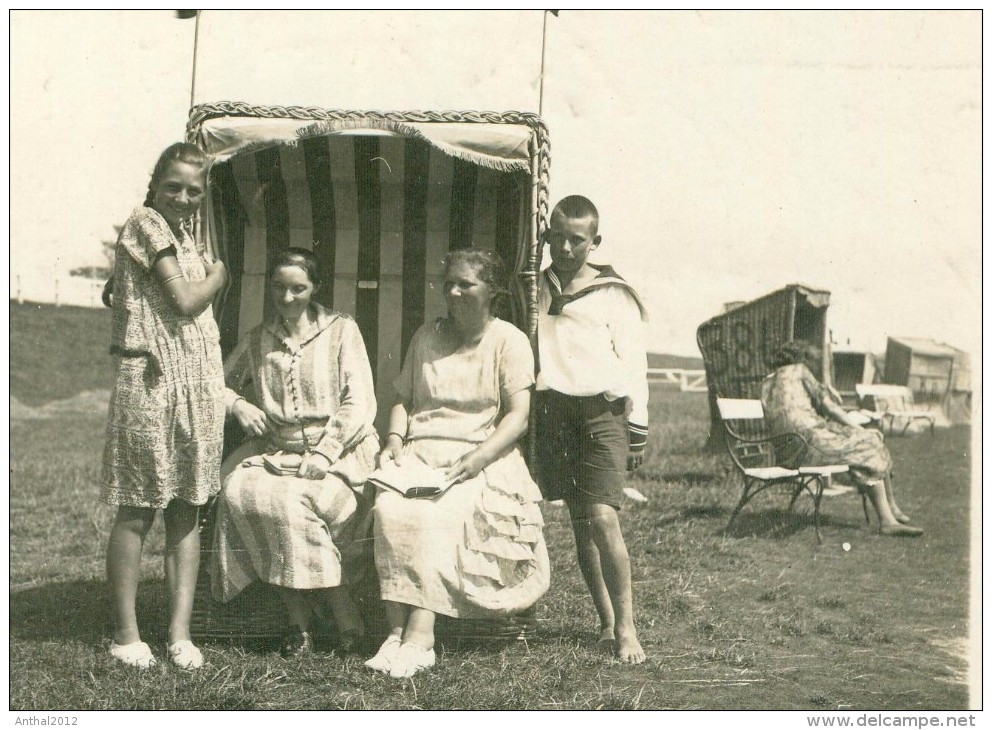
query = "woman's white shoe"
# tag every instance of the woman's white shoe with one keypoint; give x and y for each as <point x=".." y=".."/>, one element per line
<point x="185" y="656"/>
<point x="383" y="659"/>
<point x="411" y="659"/>
<point x="137" y="654"/>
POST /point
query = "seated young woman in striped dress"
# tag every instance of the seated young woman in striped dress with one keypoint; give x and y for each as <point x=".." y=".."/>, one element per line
<point x="300" y="385"/>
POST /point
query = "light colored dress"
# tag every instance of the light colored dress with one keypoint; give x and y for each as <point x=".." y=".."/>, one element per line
<point x="318" y="395"/>
<point x="478" y="549"/>
<point x="165" y="427"/>
<point x="793" y="400"/>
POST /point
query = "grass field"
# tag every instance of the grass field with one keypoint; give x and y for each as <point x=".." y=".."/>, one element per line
<point x="758" y="618"/>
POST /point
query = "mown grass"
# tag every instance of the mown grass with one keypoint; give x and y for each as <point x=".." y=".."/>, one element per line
<point x="57" y="352"/>
<point x="760" y="617"/>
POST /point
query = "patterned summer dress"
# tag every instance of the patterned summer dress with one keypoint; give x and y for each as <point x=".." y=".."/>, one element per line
<point x="478" y="549"/>
<point x="793" y="398"/>
<point x="166" y="419"/>
<point x="317" y="395"/>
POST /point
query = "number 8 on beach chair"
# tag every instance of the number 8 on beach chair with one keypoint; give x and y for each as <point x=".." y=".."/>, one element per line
<point x="764" y="461"/>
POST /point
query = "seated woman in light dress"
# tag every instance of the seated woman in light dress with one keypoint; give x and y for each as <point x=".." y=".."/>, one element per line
<point x="462" y="404"/>
<point x="796" y="402"/>
<point x="300" y="385"/>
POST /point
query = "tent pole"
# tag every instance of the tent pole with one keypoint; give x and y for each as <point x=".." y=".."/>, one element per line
<point x="544" y="44"/>
<point x="196" y="40"/>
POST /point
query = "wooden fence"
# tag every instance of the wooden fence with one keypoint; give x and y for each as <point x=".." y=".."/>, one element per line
<point x="690" y="381"/>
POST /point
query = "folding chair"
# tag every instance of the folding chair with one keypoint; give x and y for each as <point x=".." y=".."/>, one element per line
<point x="764" y="461"/>
<point x="889" y="403"/>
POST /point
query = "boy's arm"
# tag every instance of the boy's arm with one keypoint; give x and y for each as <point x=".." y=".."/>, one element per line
<point x="628" y="343"/>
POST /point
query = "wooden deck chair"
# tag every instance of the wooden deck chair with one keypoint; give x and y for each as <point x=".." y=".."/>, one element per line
<point x="380" y="198"/>
<point x="892" y="404"/>
<point x="764" y="461"/>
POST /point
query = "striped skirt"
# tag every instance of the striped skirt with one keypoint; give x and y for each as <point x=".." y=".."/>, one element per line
<point x="282" y="530"/>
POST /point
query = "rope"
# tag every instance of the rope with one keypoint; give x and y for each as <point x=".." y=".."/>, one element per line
<point x="202" y="112"/>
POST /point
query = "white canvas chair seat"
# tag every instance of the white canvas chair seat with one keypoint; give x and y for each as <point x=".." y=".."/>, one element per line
<point x="764" y="460"/>
<point x="771" y="472"/>
<point x="890" y="404"/>
<point x="829" y="470"/>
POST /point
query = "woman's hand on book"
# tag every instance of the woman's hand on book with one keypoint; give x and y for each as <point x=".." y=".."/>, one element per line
<point x="391" y="452"/>
<point x="467" y="467"/>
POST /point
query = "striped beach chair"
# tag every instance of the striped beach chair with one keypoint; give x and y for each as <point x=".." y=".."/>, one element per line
<point x="380" y="198"/>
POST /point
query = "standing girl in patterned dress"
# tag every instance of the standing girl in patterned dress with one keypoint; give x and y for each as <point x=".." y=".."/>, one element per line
<point x="166" y="417"/>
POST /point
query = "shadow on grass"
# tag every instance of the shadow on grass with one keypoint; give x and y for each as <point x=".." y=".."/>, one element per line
<point x="774" y="523"/>
<point x="693" y="478"/>
<point x="82" y="610"/>
<point x="693" y="512"/>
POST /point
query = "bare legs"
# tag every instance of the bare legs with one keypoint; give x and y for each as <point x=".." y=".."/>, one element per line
<point x="890" y="496"/>
<point x="409" y="648"/>
<point x="127" y="537"/>
<point x="182" y="561"/>
<point x="889" y="524"/>
<point x="605" y="566"/>
<point x="412" y="625"/>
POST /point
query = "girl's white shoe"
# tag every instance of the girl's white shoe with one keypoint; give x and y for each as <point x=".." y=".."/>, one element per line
<point x="185" y="656"/>
<point x="383" y="659"/>
<point x="411" y="659"/>
<point x="137" y="654"/>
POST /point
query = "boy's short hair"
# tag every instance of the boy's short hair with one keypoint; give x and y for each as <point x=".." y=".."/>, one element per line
<point x="577" y="206"/>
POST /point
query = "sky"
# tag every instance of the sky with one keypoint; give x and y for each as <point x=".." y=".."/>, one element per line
<point x="730" y="153"/>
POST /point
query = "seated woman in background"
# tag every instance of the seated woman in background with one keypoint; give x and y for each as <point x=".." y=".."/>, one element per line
<point x="795" y="401"/>
<point x="301" y="387"/>
<point x="463" y="400"/>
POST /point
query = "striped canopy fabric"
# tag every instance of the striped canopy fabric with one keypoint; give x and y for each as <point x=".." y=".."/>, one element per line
<point x="380" y="211"/>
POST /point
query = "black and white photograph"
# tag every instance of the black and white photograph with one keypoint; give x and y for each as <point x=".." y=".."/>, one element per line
<point x="496" y="360"/>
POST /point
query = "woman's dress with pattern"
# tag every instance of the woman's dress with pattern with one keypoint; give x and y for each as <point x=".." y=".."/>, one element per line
<point x="317" y="394"/>
<point x="477" y="549"/>
<point x="793" y="400"/>
<point x="166" y="420"/>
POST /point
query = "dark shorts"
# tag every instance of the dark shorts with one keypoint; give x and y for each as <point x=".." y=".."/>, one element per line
<point x="582" y="446"/>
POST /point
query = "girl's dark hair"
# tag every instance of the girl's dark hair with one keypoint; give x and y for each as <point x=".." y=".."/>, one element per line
<point x="794" y="351"/>
<point x="490" y="269"/>
<point x="178" y="152"/>
<point x="296" y="257"/>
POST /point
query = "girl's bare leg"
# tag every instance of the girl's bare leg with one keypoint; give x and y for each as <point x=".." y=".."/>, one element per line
<point x="127" y="537"/>
<point x="182" y="563"/>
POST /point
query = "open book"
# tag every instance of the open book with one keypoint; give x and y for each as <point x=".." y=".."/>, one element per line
<point x="413" y="479"/>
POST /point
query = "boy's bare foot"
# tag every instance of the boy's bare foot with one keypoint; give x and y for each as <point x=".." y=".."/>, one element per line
<point x="606" y="642"/>
<point x="629" y="649"/>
